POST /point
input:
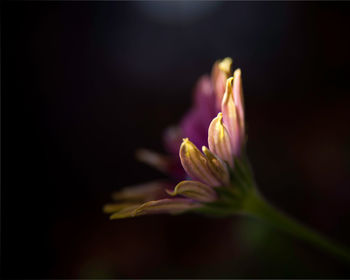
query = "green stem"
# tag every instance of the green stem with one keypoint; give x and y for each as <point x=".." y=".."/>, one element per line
<point x="258" y="207"/>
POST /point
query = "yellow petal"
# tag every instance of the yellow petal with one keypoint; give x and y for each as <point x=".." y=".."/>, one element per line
<point x="170" y="206"/>
<point x="219" y="140"/>
<point x="217" y="166"/>
<point x="127" y="212"/>
<point x="195" y="190"/>
<point x="116" y="207"/>
<point x="195" y="163"/>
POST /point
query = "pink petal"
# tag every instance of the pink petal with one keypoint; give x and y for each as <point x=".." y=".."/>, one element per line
<point x="238" y="97"/>
<point x="220" y="72"/>
<point x="230" y="117"/>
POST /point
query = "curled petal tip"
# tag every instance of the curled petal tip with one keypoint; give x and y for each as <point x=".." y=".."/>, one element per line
<point x="170" y="192"/>
<point x="228" y="91"/>
<point x="205" y="150"/>
<point x="226" y="65"/>
<point x="237" y="72"/>
<point x="185" y="141"/>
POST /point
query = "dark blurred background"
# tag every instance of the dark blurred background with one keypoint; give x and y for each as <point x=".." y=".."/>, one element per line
<point x="85" y="84"/>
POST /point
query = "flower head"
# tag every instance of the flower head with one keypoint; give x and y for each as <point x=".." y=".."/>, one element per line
<point x="207" y="172"/>
<point x="218" y="179"/>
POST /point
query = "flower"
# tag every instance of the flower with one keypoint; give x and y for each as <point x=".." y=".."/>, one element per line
<point x="221" y="181"/>
<point x="210" y="169"/>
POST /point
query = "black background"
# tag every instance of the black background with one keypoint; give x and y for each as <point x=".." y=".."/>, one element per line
<point x="85" y="84"/>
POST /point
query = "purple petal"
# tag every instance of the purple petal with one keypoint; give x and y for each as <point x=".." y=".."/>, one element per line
<point x="172" y="139"/>
<point x="194" y="124"/>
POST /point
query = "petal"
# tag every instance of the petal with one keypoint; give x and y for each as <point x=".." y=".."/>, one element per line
<point x="156" y="160"/>
<point x="172" y="138"/>
<point x="238" y="97"/>
<point x="219" y="140"/>
<point x="220" y="72"/>
<point x="171" y="206"/>
<point x="230" y="116"/>
<point x="195" y="163"/>
<point x="204" y="94"/>
<point x="217" y="166"/>
<point x="194" y="126"/>
<point x="116" y="207"/>
<point x="195" y="190"/>
<point x="127" y="212"/>
<point x="148" y="191"/>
